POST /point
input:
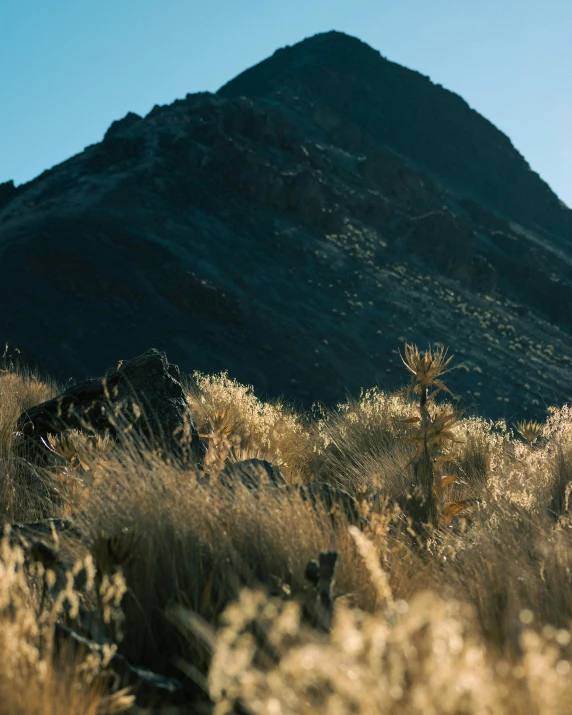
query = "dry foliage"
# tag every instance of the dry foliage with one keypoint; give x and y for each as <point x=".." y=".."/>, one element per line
<point x="475" y="617"/>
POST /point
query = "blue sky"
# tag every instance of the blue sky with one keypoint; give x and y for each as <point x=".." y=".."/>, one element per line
<point x="68" y="68"/>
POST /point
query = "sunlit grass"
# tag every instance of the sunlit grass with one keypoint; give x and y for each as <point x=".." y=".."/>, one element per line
<point x="474" y="617"/>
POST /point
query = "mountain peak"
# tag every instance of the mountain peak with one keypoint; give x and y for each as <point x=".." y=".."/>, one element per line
<point x="402" y="110"/>
<point x="332" y="49"/>
<point x="334" y="39"/>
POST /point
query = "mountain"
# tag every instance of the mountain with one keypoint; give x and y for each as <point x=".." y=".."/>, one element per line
<point x="296" y="228"/>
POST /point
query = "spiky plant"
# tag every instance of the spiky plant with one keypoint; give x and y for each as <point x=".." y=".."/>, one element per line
<point x="530" y="431"/>
<point x="428" y="505"/>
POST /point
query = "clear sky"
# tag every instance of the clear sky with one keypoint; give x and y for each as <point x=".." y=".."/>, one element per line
<point x="68" y="68"/>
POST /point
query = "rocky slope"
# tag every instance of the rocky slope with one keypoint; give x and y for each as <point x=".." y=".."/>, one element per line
<point x="295" y="228"/>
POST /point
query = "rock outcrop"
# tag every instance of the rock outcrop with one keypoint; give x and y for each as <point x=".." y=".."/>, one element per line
<point x="256" y="474"/>
<point x="7" y="192"/>
<point x="142" y="396"/>
<point x="252" y="474"/>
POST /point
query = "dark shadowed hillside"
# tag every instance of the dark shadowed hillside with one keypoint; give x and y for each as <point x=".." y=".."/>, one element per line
<point x="295" y="228"/>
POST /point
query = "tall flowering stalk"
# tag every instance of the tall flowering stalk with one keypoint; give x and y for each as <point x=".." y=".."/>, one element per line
<point x="433" y="432"/>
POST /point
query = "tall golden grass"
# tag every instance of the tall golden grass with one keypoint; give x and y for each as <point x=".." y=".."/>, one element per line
<point x="474" y="617"/>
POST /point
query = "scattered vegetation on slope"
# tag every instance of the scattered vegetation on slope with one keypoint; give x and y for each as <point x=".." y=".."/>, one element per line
<point x="450" y="593"/>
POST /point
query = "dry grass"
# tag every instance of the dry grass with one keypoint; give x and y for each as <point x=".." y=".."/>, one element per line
<point x="37" y="676"/>
<point x="475" y="619"/>
<point x="356" y="446"/>
<point x="22" y="498"/>
<point x="271" y="431"/>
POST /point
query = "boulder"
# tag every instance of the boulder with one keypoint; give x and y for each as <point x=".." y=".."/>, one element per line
<point x="319" y="493"/>
<point x="253" y="474"/>
<point x="142" y="397"/>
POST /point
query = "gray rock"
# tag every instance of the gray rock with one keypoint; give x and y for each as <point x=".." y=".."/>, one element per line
<point x="253" y="474"/>
<point x="318" y="493"/>
<point x="142" y="396"/>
